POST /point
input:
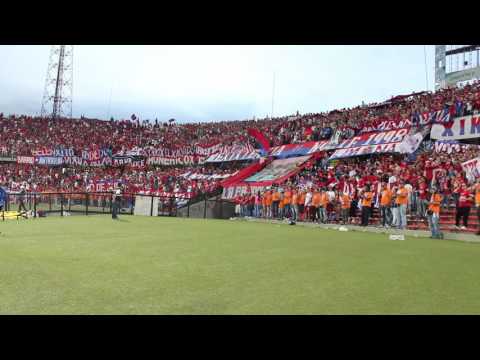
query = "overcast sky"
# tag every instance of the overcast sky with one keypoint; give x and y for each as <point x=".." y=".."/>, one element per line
<point x="213" y="83"/>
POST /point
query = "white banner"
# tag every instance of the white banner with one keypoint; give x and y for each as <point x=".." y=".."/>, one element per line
<point x="366" y="150"/>
<point x="472" y="168"/>
<point x="410" y="143"/>
<point x="449" y="147"/>
<point x="466" y="127"/>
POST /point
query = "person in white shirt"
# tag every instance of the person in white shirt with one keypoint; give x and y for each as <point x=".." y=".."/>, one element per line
<point x="308" y="203"/>
<point x="410" y="194"/>
<point x="392" y="180"/>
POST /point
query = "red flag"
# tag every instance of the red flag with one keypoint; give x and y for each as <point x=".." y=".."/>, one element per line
<point x="260" y="138"/>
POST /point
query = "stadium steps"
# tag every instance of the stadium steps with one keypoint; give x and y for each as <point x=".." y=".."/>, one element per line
<point x="447" y="221"/>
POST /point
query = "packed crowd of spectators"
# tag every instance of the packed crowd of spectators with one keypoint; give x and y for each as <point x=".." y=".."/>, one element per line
<point x="190" y="181"/>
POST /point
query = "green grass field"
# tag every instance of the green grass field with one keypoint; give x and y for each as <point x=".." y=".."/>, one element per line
<point x="143" y="265"/>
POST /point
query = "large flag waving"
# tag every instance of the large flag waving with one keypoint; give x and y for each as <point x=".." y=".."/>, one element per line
<point x="261" y="139"/>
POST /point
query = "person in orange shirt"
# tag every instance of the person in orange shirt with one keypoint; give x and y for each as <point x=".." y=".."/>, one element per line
<point x="345" y="202"/>
<point x="322" y="211"/>
<point x="294" y="208"/>
<point x="287" y="203"/>
<point x="301" y="204"/>
<point x="281" y="205"/>
<point x="264" y="205"/>
<point x="402" y="202"/>
<point x="316" y="201"/>
<point x="385" y="204"/>
<point x="367" y="198"/>
<point x="434" y="214"/>
<point x="268" y="201"/>
<point x="275" y="203"/>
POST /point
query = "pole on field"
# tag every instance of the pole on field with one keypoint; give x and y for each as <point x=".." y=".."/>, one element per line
<point x="86" y="203"/>
<point x="426" y="69"/>
<point x="151" y="206"/>
<point x="61" y="204"/>
<point x="205" y="209"/>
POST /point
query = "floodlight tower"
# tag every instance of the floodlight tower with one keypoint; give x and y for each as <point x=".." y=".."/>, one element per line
<point x="58" y="93"/>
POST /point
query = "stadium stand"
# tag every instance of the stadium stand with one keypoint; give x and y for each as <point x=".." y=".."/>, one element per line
<point x="91" y="155"/>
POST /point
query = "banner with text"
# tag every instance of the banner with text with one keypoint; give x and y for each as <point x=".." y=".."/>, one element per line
<point x="445" y="146"/>
<point x="466" y="127"/>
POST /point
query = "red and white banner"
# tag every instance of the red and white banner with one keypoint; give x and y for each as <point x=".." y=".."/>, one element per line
<point x="472" y="168"/>
<point x="233" y="156"/>
<point x="375" y="138"/>
<point x="305" y="148"/>
<point x="234" y="153"/>
<point x="377" y="143"/>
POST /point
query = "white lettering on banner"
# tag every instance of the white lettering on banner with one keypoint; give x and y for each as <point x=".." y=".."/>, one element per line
<point x="60" y="152"/>
<point x="158" y="160"/>
<point x="95" y="154"/>
<point x="364" y="150"/>
<point x="466" y="127"/>
<point x="48" y="160"/>
<point x="319" y="146"/>
<point x="187" y="150"/>
<point x="25" y="160"/>
<point x="233" y="156"/>
<point x="374" y="139"/>
<point x="449" y="147"/>
<point x="78" y="161"/>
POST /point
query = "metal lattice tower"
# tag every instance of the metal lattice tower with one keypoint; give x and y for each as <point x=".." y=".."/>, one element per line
<point x="58" y="93"/>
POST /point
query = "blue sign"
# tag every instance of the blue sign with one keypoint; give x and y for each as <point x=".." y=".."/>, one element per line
<point x="3" y="196"/>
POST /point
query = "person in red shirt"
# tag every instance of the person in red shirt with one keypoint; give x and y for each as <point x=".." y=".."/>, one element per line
<point x="465" y="202"/>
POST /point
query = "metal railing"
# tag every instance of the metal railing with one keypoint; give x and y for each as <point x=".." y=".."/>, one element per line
<point x="41" y="204"/>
